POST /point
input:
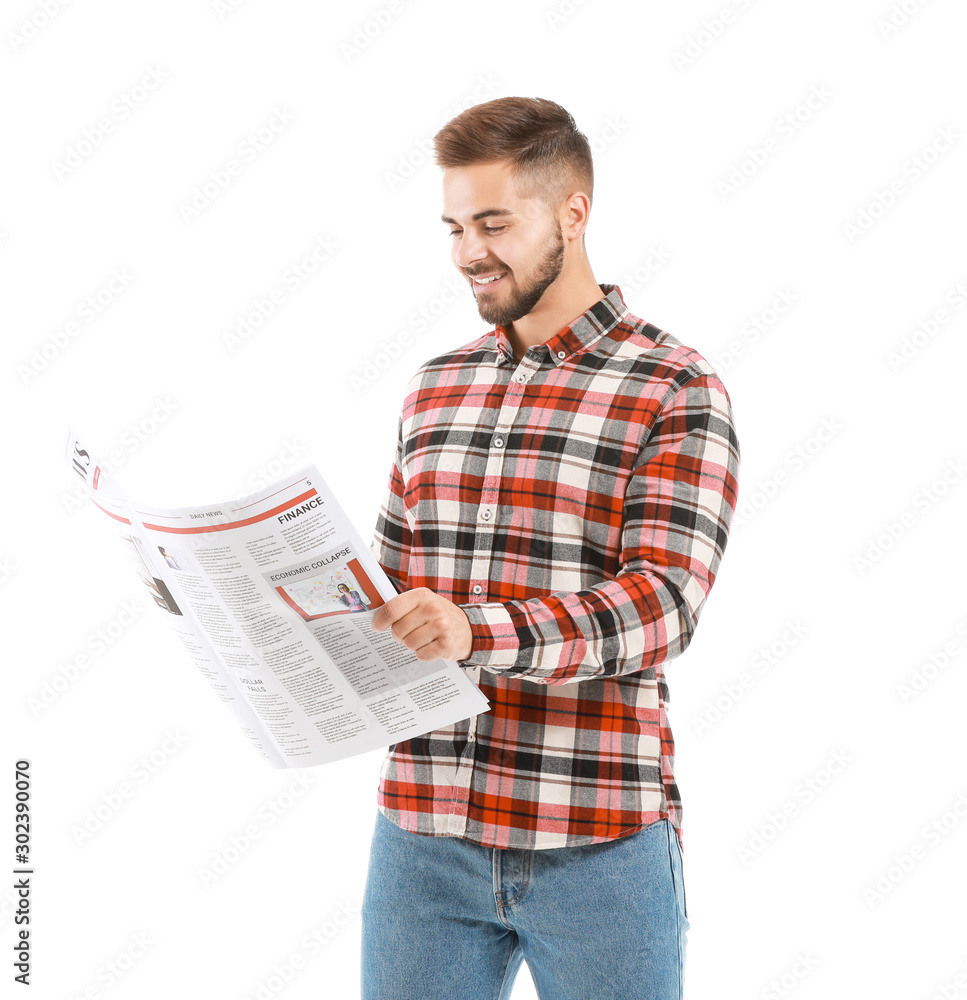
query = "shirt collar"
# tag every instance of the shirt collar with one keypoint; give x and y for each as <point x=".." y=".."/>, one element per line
<point x="578" y="335"/>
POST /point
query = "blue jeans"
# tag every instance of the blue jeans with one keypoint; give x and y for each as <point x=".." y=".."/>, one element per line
<point x="445" y="918"/>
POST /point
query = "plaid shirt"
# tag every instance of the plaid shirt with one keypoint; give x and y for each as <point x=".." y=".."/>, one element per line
<point x="575" y="503"/>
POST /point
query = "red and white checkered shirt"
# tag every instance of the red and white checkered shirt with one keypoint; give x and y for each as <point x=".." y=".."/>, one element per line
<point x="575" y="502"/>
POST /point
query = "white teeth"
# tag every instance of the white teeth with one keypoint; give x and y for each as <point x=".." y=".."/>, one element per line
<point x="486" y="281"/>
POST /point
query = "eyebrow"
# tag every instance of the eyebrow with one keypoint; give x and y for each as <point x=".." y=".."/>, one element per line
<point x="480" y="215"/>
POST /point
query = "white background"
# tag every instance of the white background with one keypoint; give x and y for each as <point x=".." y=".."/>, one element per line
<point x="810" y="780"/>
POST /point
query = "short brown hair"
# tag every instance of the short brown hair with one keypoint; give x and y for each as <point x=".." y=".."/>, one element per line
<point x="551" y="158"/>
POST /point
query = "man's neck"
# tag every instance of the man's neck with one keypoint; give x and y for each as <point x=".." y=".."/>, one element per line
<point x="551" y="315"/>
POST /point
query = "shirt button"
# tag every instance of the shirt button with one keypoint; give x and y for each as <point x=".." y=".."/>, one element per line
<point x="520" y="378"/>
<point x="470" y="737"/>
<point x="560" y="354"/>
<point x="477" y="588"/>
<point x="498" y="442"/>
<point x="485" y="513"/>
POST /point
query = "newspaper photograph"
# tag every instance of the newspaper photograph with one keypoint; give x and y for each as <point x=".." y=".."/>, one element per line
<point x="272" y="596"/>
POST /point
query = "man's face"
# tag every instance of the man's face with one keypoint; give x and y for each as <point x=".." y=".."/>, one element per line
<point x="517" y="238"/>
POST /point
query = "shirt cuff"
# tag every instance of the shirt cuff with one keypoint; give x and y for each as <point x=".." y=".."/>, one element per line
<point x="495" y="643"/>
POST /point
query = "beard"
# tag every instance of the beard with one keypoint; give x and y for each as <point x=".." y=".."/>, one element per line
<point x="519" y="298"/>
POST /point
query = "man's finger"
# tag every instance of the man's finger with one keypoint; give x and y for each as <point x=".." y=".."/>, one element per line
<point x="418" y="632"/>
<point x="392" y="610"/>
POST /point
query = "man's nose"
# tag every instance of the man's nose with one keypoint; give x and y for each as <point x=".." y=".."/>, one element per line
<point x="470" y="248"/>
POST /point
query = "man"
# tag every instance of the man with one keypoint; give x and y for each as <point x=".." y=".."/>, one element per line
<point x="556" y="514"/>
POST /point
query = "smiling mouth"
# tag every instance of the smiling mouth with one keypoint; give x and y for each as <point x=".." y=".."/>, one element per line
<point x="487" y="281"/>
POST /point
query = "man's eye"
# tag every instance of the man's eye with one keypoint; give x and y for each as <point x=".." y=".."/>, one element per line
<point x="488" y="229"/>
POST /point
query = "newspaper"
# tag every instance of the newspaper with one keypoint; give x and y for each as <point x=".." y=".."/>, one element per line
<point x="273" y="596"/>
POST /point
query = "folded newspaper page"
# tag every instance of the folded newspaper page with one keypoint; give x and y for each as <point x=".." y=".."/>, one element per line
<point x="273" y="596"/>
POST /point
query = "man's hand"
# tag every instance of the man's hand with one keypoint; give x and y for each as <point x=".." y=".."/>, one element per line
<point x="433" y="627"/>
